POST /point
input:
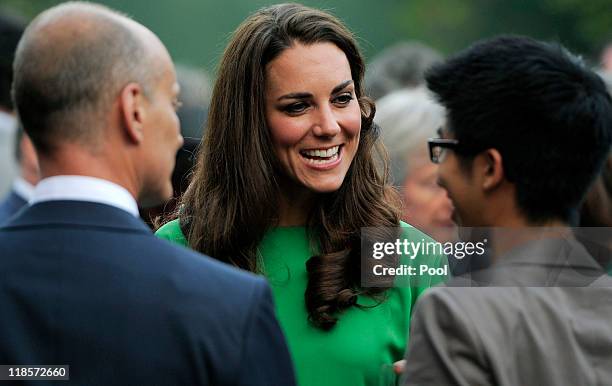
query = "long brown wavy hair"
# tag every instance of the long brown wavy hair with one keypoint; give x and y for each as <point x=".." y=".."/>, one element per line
<point x="233" y="196"/>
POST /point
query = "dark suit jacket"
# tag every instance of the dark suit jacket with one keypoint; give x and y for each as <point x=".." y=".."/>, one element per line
<point x="10" y="205"/>
<point x="543" y="316"/>
<point x="88" y="285"/>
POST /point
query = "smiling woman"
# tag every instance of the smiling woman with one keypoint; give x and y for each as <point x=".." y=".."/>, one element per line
<point x="286" y="180"/>
<point x="314" y="119"/>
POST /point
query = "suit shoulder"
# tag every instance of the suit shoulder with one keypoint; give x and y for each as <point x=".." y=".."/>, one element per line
<point x="171" y="235"/>
<point x="198" y="265"/>
<point x="461" y="299"/>
<point x="604" y="281"/>
<point x="436" y="296"/>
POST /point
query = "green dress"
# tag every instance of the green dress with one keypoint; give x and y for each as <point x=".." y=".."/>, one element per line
<point x="362" y="347"/>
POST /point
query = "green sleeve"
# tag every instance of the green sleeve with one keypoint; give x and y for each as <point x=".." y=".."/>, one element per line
<point x="172" y="232"/>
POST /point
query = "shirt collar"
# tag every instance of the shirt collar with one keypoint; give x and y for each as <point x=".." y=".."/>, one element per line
<point x="84" y="188"/>
<point x="23" y="188"/>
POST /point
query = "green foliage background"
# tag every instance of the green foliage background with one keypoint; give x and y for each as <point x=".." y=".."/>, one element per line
<point x="196" y="31"/>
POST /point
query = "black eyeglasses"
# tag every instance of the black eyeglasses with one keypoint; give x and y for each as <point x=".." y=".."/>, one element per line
<point x="437" y="146"/>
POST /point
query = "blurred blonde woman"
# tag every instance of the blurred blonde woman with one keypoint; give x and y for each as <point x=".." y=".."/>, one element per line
<point x="407" y="119"/>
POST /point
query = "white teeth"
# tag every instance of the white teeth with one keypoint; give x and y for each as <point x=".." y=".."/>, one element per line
<point x="322" y="153"/>
<point x="321" y="161"/>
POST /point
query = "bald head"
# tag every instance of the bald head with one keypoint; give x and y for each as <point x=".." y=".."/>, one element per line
<point x="71" y="64"/>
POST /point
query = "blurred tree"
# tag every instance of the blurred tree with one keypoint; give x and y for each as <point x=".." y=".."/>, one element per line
<point x="28" y="8"/>
<point x="583" y="26"/>
<point x="196" y="31"/>
<point x="592" y="27"/>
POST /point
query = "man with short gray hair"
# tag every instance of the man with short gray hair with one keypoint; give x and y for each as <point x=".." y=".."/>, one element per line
<point x="84" y="282"/>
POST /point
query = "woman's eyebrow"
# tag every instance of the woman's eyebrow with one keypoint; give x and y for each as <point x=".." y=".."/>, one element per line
<point x="296" y="95"/>
<point x="305" y="95"/>
<point x="341" y="86"/>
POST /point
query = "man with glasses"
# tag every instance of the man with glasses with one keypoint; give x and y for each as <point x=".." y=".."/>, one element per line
<point x="527" y="132"/>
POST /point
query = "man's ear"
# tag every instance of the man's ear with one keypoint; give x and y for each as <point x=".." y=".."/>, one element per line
<point x="492" y="168"/>
<point x="132" y="111"/>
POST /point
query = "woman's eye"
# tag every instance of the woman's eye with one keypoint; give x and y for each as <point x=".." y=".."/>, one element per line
<point x="344" y="99"/>
<point x="295" y="108"/>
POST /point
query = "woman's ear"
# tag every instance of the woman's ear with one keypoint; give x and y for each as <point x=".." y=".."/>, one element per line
<point x="132" y="111"/>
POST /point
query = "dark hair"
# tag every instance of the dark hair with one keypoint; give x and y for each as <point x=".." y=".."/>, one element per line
<point x="64" y="86"/>
<point x="232" y="199"/>
<point x="548" y="115"/>
<point x="11" y="29"/>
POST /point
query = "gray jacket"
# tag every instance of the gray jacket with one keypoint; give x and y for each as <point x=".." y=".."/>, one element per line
<point x="542" y="316"/>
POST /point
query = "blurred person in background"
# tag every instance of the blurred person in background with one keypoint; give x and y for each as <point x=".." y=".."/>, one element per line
<point x="11" y="29"/>
<point x="192" y="113"/>
<point x="286" y="180"/>
<point x="196" y="90"/>
<point x="595" y="222"/>
<point x="407" y="119"/>
<point x="528" y="129"/>
<point x="595" y="217"/>
<point x="26" y="180"/>
<point x="606" y="58"/>
<point x="85" y="282"/>
<point x="195" y="99"/>
<point x="402" y="65"/>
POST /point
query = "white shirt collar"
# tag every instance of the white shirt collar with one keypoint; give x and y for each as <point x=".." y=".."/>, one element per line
<point x="8" y="123"/>
<point x="84" y="188"/>
<point x="23" y="188"/>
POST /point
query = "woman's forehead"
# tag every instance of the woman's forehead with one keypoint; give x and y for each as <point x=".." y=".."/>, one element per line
<point x="305" y="65"/>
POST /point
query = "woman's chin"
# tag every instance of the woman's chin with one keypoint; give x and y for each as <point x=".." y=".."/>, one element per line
<point x="324" y="188"/>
